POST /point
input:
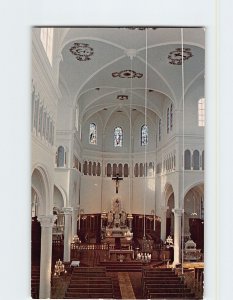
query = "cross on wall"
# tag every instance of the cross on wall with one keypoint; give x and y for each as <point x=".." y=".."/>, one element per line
<point x="117" y="178"/>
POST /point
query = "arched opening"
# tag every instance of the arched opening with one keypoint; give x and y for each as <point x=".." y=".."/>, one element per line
<point x="35" y="229"/>
<point x="196" y="160"/>
<point x="194" y="210"/>
<point x="187" y="160"/>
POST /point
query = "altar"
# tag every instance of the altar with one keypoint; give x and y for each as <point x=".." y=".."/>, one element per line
<point x="116" y="231"/>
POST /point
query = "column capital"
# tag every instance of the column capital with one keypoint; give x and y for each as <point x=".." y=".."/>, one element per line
<point x="67" y="210"/>
<point x="47" y="221"/>
<point x="178" y="211"/>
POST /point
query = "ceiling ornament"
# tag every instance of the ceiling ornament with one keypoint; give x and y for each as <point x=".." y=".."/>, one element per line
<point x="175" y="57"/>
<point x="122" y="97"/>
<point x="81" y="51"/>
<point x="127" y="74"/>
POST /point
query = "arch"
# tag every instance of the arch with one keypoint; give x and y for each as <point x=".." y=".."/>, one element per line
<point x="98" y="169"/>
<point x="187" y="159"/>
<point x="196" y="160"/>
<point x="94" y="169"/>
<point x="141" y="169"/>
<point x="90" y="168"/>
<point x="40" y="183"/>
<point x="136" y="170"/>
<point x="109" y="170"/>
<point x="168" y="191"/>
<point x="120" y="169"/>
<point x="194" y="211"/>
<point x="126" y="170"/>
<point x="85" y="168"/>
<point x="114" y="169"/>
<point x="59" y="197"/>
<point x="60" y="156"/>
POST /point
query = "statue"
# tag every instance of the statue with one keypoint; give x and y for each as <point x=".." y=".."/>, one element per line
<point x="116" y="206"/>
<point x="117" y="219"/>
<point x="123" y="217"/>
<point x="110" y="218"/>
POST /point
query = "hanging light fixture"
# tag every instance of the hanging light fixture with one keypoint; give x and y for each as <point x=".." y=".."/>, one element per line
<point x="145" y="152"/>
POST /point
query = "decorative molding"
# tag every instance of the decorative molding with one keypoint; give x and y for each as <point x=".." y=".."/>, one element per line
<point x="122" y="97"/>
<point x="175" y="57"/>
<point x="178" y="211"/>
<point x="47" y="221"/>
<point x="127" y="74"/>
<point x="67" y="210"/>
<point x="81" y="51"/>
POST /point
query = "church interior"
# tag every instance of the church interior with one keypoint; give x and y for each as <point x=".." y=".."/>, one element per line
<point x="117" y="162"/>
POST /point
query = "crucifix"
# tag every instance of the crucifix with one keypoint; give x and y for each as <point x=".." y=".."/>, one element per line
<point x="117" y="178"/>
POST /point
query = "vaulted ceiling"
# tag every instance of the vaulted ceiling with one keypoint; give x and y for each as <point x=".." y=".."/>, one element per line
<point x="112" y="69"/>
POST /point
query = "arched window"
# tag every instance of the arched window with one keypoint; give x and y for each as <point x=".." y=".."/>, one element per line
<point x="46" y="36"/>
<point x="145" y="169"/>
<point x="94" y="169"/>
<point x="126" y="170"/>
<point x="93" y="134"/>
<point x="159" y="130"/>
<point x="187" y="160"/>
<point x="144" y="135"/>
<point x="201" y="112"/>
<point x="109" y="170"/>
<point x="141" y="170"/>
<point x="171" y="117"/>
<point x="196" y="160"/>
<point x="136" y="170"/>
<point x="120" y="170"/>
<point x="60" y="156"/>
<point x="114" y="170"/>
<point x="89" y="168"/>
<point x="118" y="137"/>
<point x="203" y="160"/>
<point x="168" y="123"/>
<point x="98" y="169"/>
<point x="85" y="168"/>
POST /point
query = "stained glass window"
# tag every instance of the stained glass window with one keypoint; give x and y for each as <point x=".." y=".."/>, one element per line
<point x="144" y="135"/>
<point x="93" y="134"/>
<point x="118" y="137"/>
<point x="168" y="117"/>
<point x="171" y="117"/>
<point x="159" y="129"/>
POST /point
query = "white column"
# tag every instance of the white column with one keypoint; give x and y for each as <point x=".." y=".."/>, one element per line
<point x="163" y="222"/>
<point x="177" y="234"/>
<point x="46" y="223"/>
<point x="74" y="222"/>
<point x="67" y="232"/>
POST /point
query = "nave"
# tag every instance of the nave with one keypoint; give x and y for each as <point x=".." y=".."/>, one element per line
<point x="104" y="270"/>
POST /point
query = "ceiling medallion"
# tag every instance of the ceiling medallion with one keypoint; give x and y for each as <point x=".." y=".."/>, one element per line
<point x="82" y="51"/>
<point x="122" y="97"/>
<point x="127" y="74"/>
<point x="175" y="57"/>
